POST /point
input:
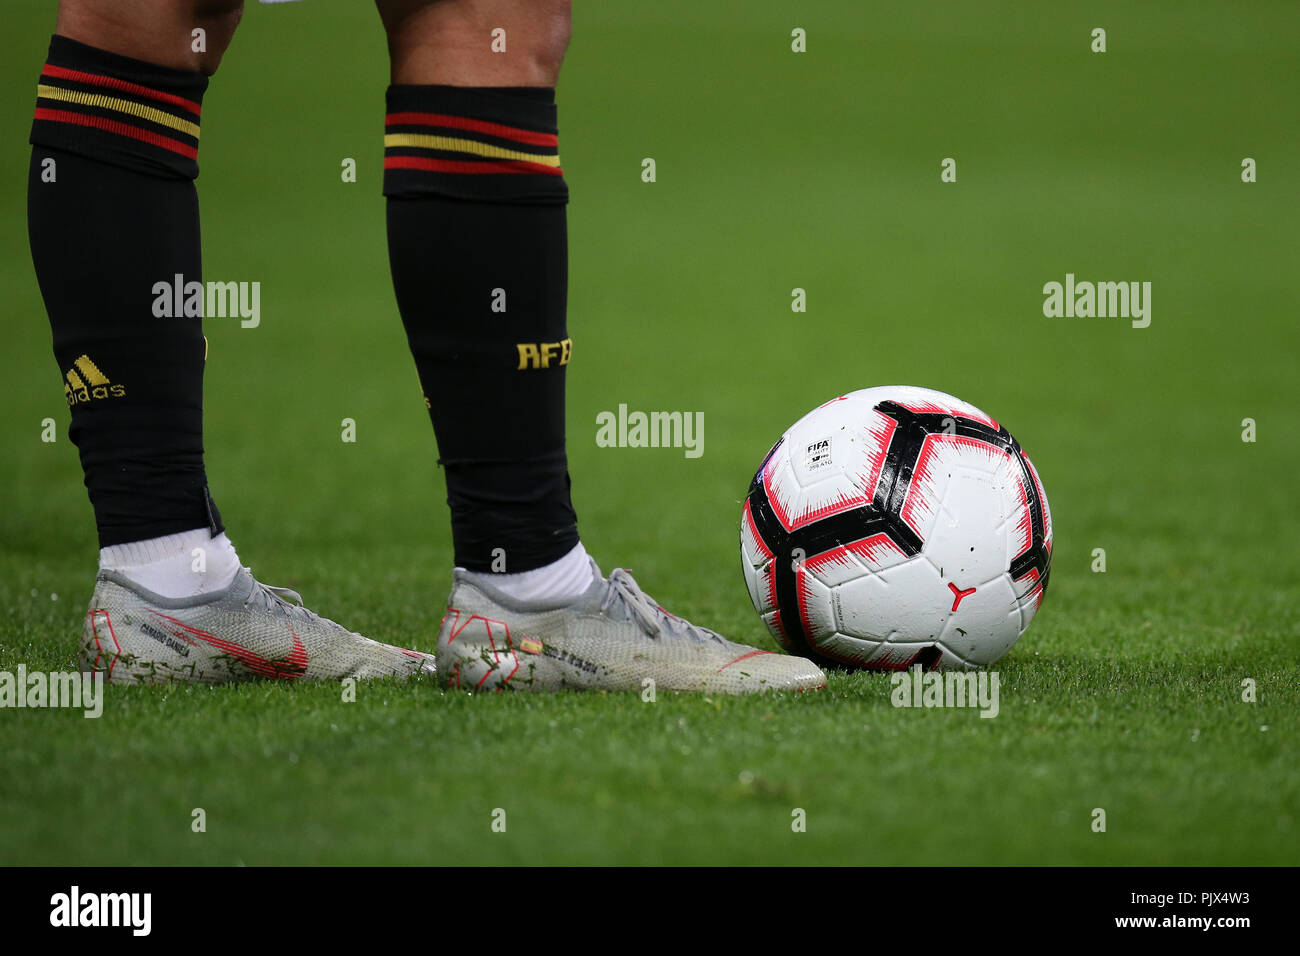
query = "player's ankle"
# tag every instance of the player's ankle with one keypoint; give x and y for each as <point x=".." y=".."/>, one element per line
<point x="566" y="577"/>
<point x="175" y="565"/>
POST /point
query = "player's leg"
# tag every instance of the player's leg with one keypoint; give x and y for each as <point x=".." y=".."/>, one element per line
<point x="113" y="223"/>
<point x="477" y="243"/>
<point x="112" y="210"/>
<point x="157" y="32"/>
<point x="478" y="247"/>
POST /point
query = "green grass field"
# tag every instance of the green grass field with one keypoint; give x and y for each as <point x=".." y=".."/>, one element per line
<point x="775" y="170"/>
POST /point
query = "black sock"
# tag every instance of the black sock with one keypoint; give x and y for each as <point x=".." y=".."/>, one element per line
<point x="112" y="211"/>
<point x="479" y="253"/>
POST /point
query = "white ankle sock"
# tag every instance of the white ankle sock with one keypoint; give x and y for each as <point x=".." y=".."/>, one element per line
<point x="167" y="565"/>
<point x="565" y="578"/>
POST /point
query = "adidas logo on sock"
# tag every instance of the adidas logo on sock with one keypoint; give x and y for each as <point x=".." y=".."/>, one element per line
<point x="85" y="381"/>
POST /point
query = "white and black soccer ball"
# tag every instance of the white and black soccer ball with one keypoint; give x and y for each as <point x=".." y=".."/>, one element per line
<point x="896" y="526"/>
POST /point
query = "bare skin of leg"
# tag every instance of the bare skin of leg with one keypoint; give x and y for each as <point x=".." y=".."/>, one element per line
<point x="156" y="31"/>
<point x="429" y="41"/>
<point x="449" y="42"/>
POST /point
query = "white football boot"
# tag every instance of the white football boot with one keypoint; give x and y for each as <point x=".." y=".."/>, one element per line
<point x="612" y="637"/>
<point x="248" y="631"/>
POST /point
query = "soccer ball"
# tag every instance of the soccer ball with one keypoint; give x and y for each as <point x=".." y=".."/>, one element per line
<point x="896" y="526"/>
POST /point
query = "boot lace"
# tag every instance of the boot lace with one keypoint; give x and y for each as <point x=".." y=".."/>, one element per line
<point x="652" y="619"/>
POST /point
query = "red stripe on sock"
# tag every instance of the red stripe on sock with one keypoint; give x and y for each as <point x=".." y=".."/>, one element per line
<point x="113" y="83"/>
<point x="122" y="129"/>
<point x="458" y="166"/>
<point x="476" y="126"/>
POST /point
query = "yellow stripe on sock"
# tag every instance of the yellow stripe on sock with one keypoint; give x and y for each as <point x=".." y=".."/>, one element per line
<point x="453" y="144"/>
<point x="74" y="379"/>
<point x="118" y="105"/>
<point x="88" y="368"/>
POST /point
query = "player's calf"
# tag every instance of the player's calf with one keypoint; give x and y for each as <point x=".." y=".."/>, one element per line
<point x="181" y="34"/>
<point x="476" y="42"/>
<point x="477" y="243"/>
